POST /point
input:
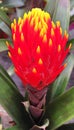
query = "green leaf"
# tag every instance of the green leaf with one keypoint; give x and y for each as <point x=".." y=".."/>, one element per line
<point x="60" y="84"/>
<point x="50" y="6"/>
<point x="5" y="28"/>
<point x="3" y="46"/>
<point x="60" y="110"/>
<point x="11" y="3"/>
<point x="71" y="4"/>
<point x="15" y="128"/>
<point x="11" y="100"/>
<point x="3" y="71"/>
<point x="62" y="13"/>
<point x="20" y="12"/>
<point x="67" y="127"/>
<point x="5" y="18"/>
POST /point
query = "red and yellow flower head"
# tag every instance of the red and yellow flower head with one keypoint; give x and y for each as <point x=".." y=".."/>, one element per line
<point x="39" y="48"/>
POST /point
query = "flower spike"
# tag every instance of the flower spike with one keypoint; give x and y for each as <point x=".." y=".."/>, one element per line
<point x="39" y="48"/>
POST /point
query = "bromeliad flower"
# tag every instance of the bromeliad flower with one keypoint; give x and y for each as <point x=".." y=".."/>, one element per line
<point x="39" y="48"/>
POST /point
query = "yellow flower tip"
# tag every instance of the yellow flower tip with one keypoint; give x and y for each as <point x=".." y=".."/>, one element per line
<point x="9" y="54"/>
<point x="44" y="26"/>
<point x="22" y="37"/>
<point x="32" y="22"/>
<point x="40" y="25"/>
<point x="14" y="21"/>
<point x="52" y="32"/>
<point x="47" y="16"/>
<point x="58" y="23"/>
<point x="14" y="36"/>
<point x="66" y="34"/>
<point x="38" y="49"/>
<point x="60" y="30"/>
<point x="53" y="24"/>
<point x="34" y="70"/>
<point x="29" y="14"/>
<point x="70" y="45"/>
<point x="40" y="62"/>
<point x="45" y="38"/>
<point x="15" y="28"/>
<point x="50" y="42"/>
<point x="22" y="22"/>
<point x="25" y="16"/>
<point x="44" y="29"/>
<point x="35" y="10"/>
<point x="65" y="65"/>
<point x="59" y="48"/>
<point x="36" y="27"/>
<point x="19" y="51"/>
<point x="39" y="18"/>
<point x="20" y="28"/>
<point x="12" y="25"/>
<point x="7" y="43"/>
<point x="36" y="19"/>
<point x="41" y="33"/>
<point x="19" y="20"/>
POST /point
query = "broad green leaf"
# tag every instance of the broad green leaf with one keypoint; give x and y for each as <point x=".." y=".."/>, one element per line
<point x="5" y="28"/>
<point x="15" y="128"/>
<point x="67" y="127"/>
<point x="3" y="46"/>
<point x="3" y="71"/>
<point x="62" y="13"/>
<point x="11" y="100"/>
<point x="11" y="3"/>
<point x="60" y="84"/>
<point x="60" y="110"/>
<point x="20" y="12"/>
<point x="5" y="18"/>
<point x="71" y="4"/>
<point x="50" y="6"/>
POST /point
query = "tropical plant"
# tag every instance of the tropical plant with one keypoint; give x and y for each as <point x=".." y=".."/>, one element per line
<point x="32" y="41"/>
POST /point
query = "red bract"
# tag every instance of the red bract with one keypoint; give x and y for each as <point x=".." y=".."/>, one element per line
<point x="39" y="48"/>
